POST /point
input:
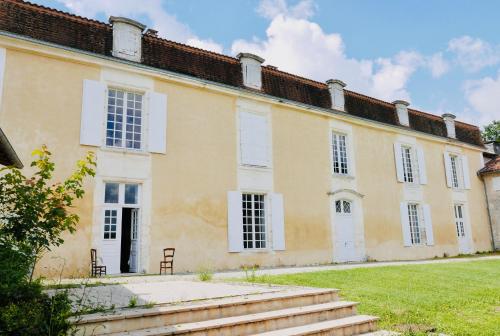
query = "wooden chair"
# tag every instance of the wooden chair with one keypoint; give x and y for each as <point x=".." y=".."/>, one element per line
<point x="168" y="260"/>
<point x="96" y="270"/>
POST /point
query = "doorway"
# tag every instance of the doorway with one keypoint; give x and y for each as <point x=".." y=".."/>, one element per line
<point x="120" y="228"/>
<point x="463" y="240"/>
<point x="345" y="234"/>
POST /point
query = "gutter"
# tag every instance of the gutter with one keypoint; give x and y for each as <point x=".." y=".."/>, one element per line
<point x="7" y="148"/>
<point x="236" y="90"/>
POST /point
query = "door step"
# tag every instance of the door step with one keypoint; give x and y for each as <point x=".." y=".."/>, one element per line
<point x="352" y="325"/>
<point x="255" y="323"/>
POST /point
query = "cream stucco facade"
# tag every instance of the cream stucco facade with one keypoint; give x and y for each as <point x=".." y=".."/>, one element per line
<point x="184" y="192"/>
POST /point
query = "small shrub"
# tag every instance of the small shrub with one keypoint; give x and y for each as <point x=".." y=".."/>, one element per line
<point x="205" y="274"/>
<point x="250" y="274"/>
<point x="132" y="302"/>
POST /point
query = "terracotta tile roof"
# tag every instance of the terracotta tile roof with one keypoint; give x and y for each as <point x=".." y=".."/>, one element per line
<point x="42" y="23"/>
<point x="492" y="166"/>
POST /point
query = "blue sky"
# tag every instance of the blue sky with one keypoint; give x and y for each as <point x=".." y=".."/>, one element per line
<point x="442" y="56"/>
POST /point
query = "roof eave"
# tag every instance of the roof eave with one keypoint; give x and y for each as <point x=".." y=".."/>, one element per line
<point x="10" y="153"/>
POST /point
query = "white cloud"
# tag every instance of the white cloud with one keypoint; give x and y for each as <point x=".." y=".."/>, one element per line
<point x="272" y="8"/>
<point x="473" y="53"/>
<point x="483" y="96"/>
<point x="167" y="25"/>
<point x="300" y="46"/>
<point x="438" y="65"/>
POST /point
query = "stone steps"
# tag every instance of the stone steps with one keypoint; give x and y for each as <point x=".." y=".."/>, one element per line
<point x="255" y="323"/>
<point x="351" y="325"/>
<point x="141" y="318"/>
<point x="284" y="312"/>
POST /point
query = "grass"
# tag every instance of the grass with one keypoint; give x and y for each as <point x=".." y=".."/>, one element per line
<point x="455" y="299"/>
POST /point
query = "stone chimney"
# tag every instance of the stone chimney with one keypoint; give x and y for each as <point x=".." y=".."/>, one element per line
<point x="449" y="121"/>
<point x="402" y="110"/>
<point x="127" y="38"/>
<point x="336" y="88"/>
<point x="251" y="67"/>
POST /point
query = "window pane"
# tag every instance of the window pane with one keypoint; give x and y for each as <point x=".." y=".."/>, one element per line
<point x="131" y="193"/>
<point x="111" y="193"/>
<point x="338" y="206"/>
<point x="347" y="207"/>
<point x="254" y="223"/>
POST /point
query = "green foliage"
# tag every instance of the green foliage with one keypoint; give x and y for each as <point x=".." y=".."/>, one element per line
<point x="34" y="213"/>
<point x="132" y="302"/>
<point x="205" y="274"/>
<point x="491" y="132"/>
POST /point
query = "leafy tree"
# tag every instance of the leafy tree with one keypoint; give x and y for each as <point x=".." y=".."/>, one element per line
<point x="34" y="212"/>
<point x="491" y="131"/>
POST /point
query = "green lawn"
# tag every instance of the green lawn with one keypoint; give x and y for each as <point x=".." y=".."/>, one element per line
<point x="456" y="298"/>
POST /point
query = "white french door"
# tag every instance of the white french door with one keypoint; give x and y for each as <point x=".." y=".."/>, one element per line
<point x="134" y="241"/>
<point x="345" y="248"/>
<point x="463" y="239"/>
<point x="111" y="239"/>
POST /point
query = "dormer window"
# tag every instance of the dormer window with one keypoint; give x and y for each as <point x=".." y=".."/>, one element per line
<point x="402" y="110"/>
<point x="127" y="38"/>
<point x="251" y="67"/>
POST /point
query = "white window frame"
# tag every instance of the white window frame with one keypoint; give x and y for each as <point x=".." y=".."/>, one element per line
<point x="340" y="153"/>
<point x="457" y="178"/>
<point x="409" y="164"/>
<point x="143" y="126"/>
<point x="460" y="220"/>
<point x="121" y="194"/>
<point x="346" y="211"/>
<point x="416" y="224"/>
<point x="253" y="225"/>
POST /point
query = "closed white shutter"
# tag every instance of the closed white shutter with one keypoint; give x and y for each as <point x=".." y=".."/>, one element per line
<point x="465" y="170"/>
<point x="422" y="173"/>
<point x="405" y="225"/>
<point x="447" y="168"/>
<point x="339" y="99"/>
<point x="428" y="224"/>
<point x="254" y="139"/>
<point x="234" y="221"/>
<point x="93" y="113"/>
<point x="157" y="139"/>
<point x="399" y="162"/>
<point x="278" y="222"/>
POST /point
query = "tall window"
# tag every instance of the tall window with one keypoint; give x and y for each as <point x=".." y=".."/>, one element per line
<point x="254" y="221"/>
<point x="339" y="154"/>
<point x="124" y="119"/>
<point x="417" y="229"/>
<point x="408" y="159"/>
<point x="459" y="220"/>
<point x="455" y="171"/>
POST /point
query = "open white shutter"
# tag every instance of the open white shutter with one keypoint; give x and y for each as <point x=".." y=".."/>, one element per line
<point x="465" y="170"/>
<point x="234" y="221"/>
<point x="278" y="222"/>
<point x="405" y="225"/>
<point x="422" y="173"/>
<point x="399" y="162"/>
<point x="428" y="224"/>
<point x="447" y="168"/>
<point x="157" y="139"/>
<point x="254" y="139"/>
<point x="93" y="112"/>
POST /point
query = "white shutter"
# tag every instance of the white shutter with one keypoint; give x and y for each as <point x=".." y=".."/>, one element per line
<point x="405" y="224"/>
<point x="428" y="224"/>
<point x="254" y="139"/>
<point x="234" y="221"/>
<point x="447" y="168"/>
<point x="278" y="222"/>
<point x="422" y="173"/>
<point x="399" y="162"/>
<point x="465" y="171"/>
<point x="93" y="113"/>
<point x="157" y="139"/>
<point x="339" y="99"/>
